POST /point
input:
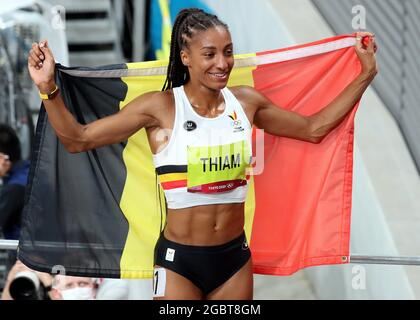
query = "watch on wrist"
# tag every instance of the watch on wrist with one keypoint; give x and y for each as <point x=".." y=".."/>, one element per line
<point x="49" y="96"/>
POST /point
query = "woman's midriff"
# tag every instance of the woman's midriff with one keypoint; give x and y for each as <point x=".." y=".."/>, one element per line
<point x="205" y="225"/>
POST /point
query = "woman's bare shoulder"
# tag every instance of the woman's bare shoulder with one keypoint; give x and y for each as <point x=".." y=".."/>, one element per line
<point x="157" y="97"/>
<point x="246" y="94"/>
<point x="154" y="102"/>
<point x="241" y="89"/>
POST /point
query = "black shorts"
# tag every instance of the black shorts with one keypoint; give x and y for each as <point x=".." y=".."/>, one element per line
<point x="207" y="267"/>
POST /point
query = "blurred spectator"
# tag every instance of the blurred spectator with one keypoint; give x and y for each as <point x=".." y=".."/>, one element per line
<point x="24" y="283"/>
<point x="102" y="289"/>
<point x="73" y="288"/>
<point x="13" y="174"/>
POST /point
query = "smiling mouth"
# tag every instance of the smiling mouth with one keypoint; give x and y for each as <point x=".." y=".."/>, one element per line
<point x="219" y="75"/>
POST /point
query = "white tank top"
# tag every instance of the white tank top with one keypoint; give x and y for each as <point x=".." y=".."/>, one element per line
<point x="206" y="159"/>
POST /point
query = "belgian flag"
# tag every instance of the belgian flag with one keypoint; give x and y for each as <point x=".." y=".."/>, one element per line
<point x="99" y="213"/>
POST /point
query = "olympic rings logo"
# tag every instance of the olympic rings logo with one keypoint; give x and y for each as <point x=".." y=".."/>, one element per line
<point x="236" y="123"/>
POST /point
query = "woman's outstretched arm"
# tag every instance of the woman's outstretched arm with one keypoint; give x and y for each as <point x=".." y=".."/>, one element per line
<point x="314" y="128"/>
<point x="77" y="137"/>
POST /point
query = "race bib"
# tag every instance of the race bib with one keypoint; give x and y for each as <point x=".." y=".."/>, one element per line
<point x="217" y="168"/>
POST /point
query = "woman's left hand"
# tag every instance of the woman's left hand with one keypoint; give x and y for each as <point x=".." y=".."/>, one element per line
<point x="366" y="54"/>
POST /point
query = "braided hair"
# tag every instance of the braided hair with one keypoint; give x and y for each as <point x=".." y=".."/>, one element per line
<point x="187" y="23"/>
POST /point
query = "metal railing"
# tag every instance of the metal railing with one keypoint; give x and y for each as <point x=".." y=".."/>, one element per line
<point x="357" y="259"/>
<point x="8" y="244"/>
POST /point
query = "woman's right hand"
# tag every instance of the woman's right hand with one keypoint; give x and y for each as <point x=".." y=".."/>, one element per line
<point x="41" y="65"/>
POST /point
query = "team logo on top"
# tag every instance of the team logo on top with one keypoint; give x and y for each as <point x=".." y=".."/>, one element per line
<point x="190" y="125"/>
<point x="236" y="123"/>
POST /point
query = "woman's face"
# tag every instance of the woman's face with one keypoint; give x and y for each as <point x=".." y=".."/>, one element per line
<point x="209" y="57"/>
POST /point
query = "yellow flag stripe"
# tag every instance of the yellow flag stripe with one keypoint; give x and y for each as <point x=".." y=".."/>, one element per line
<point x="139" y="201"/>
